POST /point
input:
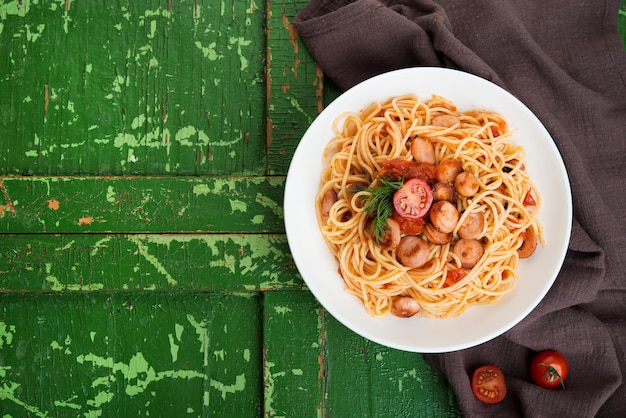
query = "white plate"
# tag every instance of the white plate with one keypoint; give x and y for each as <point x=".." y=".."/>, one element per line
<point x="477" y="324"/>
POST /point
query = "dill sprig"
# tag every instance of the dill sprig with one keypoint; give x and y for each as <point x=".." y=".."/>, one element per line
<point x="380" y="205"/>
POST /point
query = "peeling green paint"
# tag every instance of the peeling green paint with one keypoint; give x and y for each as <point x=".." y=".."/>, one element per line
<point x="6" y="334"/>
<point x="238" y="206"/>
<point x="68" y="403"/>
<point x="210" y="51"/>
<point x="32" y="36"/>
<point x="239" y="385"/>
<point x="7" y="393"/>
<point x="241" y="42"/>
<point x="57" y="286"/>
<point x="270" y="387"/>
<point x="203" y="337"/>
<point x="15" y="8"/>
<point x="282" y="309"/>
<point x="145" y="253"/>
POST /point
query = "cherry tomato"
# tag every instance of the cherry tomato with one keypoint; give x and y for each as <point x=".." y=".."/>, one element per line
<point x="454" y="276"/>
<point x="529" y="199"/>
<point x="549" y="369"/>
<point x="488" y="384"/>
<point x="413" y="200"/>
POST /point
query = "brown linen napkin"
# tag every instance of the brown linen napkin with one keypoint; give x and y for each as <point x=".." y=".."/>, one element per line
<point x="566" y="62"/>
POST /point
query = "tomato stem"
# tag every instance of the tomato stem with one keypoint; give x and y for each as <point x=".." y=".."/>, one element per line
<point x="552" y="374"/>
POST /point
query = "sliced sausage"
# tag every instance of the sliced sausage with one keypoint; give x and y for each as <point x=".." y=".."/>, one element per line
<point x="469" y="252"/>
<point x="466" y="184"/>
<point x="446" y="121"/>
<point x="443" y="191"/>
<point x="412" y="251"/>
<point x="472" y="226"/>
<point x="391" y="238"/>
<point x="529" y="243"/>
<point x="329" y="199"/>
<point x="444" y="216"/>
<point x="423" y="151"/>
<point x="447" y="170"/>
<point x="436" y="237"/>
<point x="405" y="307"/>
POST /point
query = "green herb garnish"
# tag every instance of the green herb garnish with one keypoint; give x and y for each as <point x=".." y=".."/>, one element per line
<point x="380" y="205"/>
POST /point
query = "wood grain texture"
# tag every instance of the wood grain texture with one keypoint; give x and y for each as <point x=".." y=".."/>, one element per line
<point x="128" y="355"/>
<point x="132" y="88"/>
<point x="146" y="263"/>
<point x="141" y="204"/>
<point x="294" y="84"/>
<point x="293" y="355"/>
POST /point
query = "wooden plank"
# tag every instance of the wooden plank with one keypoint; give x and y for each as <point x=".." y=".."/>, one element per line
<point x="130" y="355"/>
<point x="366" y="379"/>
<point x="111" y="88"/>
<point x="294" y="85"/>
<point x="293" y="339"/>
<point x="151" y="262"/>
<point x="141" y="204"/>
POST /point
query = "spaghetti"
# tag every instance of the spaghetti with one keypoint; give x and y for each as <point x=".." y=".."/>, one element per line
<point x="383" y="146"/>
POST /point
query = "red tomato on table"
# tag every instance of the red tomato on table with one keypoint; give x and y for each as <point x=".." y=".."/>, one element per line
<point x="549" y="369"/>
<point x="488" y="384"/>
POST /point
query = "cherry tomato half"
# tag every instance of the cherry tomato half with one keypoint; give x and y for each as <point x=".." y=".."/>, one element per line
<point x="413" y="199"/>
<point x="488" y="384"/>
<point x="549" y="369"/>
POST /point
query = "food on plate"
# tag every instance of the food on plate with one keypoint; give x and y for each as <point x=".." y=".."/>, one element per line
<point x="488" y="384"/>
<point x="422" y="201"/>
<point x="549" y="369"/>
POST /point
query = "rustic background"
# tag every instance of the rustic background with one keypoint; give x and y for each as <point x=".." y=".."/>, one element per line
<point x="144" y="269"/>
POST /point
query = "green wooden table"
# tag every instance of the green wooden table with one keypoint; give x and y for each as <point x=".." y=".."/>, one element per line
<point x="144" y="269"/>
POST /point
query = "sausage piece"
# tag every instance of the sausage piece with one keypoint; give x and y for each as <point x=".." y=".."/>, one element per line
<point x="447" y="170"/>
<point x="444" y="216"/>
<point x="445" y="121"/>
<point x="329" y="199"/>
<point x="391" y="238"/>
<point x="405" y="307"/>
<point x="436" y="237"/>
<point x="529" y="243"/>
<point x="472" y="226"/>
<point x="466" y="184"/>
<point x="412" y="251"/>
<point x="443" y="191"/>
<point x="469" y="252"/>
<point x="423" y="151"/>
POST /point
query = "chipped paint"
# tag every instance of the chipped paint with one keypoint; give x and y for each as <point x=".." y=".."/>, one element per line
<point x="241" y="42"/>
<point x="270" y="387"/>
<point x="53" y="204"/>
<point x="238" y="206"/>
<point x="57" y="286"/>
<point x="143" y="250"/>
<point x="85" y="220"/>
<point x="203" y="336"/>
<point x="239" y="385"/>
<point x="7" y="393"/>
<point x="282" y="309"/>
<point x="6" y="334"/>
<point x="210" y="51"/>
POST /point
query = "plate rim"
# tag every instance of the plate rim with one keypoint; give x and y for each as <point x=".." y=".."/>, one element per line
<point x="334" y="109"/>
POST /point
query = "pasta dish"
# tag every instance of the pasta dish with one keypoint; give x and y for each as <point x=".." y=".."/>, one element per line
<point x="426" y="208"/>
